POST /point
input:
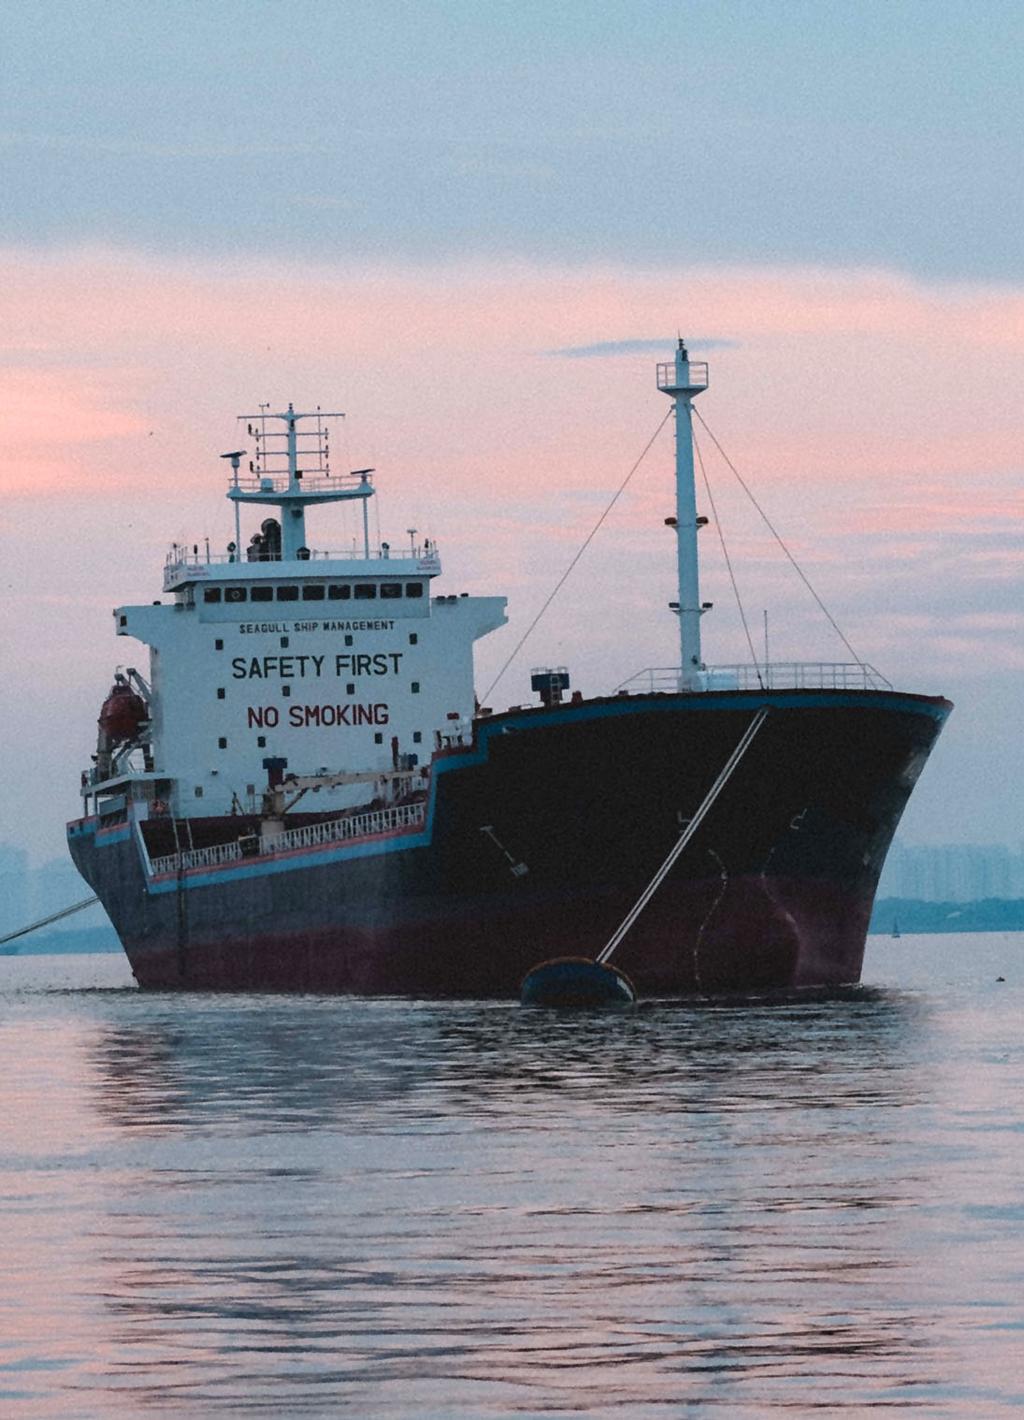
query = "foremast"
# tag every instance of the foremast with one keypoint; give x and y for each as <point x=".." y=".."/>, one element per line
<point x="275" y="475"/>
<point x="683" y="379"/>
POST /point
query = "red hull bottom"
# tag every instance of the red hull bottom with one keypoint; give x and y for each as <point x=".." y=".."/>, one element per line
<point x="756" y="934"/>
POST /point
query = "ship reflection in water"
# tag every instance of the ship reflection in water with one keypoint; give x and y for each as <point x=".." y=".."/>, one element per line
<point x="314" y="1206"/>
<point x="439" y="1210"/>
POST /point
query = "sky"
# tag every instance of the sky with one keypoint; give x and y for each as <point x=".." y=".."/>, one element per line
<point x="475" y="227"/>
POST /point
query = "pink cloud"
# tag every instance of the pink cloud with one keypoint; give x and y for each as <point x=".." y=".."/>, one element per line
<point x="857" y="403"/>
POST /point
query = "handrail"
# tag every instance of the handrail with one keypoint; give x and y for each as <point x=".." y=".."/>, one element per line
<point x="311" y="835"/>
<point x="179" y="558"/>
<point x="778" y="675"/>
<point x="316" y="481"/>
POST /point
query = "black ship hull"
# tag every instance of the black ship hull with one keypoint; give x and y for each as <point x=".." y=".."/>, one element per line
<point x="536" y="840"/>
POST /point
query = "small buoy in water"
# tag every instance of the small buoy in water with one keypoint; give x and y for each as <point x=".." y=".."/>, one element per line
<point x="576" y="981"/>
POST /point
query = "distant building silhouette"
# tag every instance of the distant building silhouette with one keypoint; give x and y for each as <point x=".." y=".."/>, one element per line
<point x="953" y="872"/>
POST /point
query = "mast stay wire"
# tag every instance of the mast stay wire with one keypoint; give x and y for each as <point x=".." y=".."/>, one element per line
<point x="778" y="538"/>
<point x="728" y="562"/>
<point x="581" y="550"/>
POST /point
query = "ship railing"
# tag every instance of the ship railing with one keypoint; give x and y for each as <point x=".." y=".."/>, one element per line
<point x="777" y="675"/>
<point x="197" y="858"/>
<point x="311" y="835"/>
<point x="313" y="482"/>
<point x="698" y="378"/>
<point x="178" y="560"/>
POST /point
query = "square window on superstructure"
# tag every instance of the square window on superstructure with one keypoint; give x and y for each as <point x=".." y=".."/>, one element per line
<point x="417" y="737"/>
<point x="414" y="640"/>
<point x="211" y="594"/>
<point x="339" y="592"/>
<point x="261" y="743"/>
<point x="348" y="640"/>
<point x="222" y="742"/>
<point x="286" y="690"/>
<point x="262" y="594"/>
<point x="221" y="692"/>
<point x="378" y="738"/>
<point x="235" y="594"/>
<point x="415" y="687"/>
<point x="287" y="594"/>
<point x="366" y="591"/>
<point x="313" y="592"/>
<point x="390" y="590"/>
<point x="284" y="642"/>
<point x="350" y="688"/>
<point x="199" y="791"/>
<point x="218" y="645"/>
<point x="414" y="589"/>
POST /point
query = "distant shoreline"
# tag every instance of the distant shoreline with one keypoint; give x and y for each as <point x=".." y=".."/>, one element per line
<point x="910" y="915"/>
<point x="73" y="943"/>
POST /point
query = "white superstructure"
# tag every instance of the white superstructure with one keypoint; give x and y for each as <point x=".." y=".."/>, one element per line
<point x="281" y="659"/>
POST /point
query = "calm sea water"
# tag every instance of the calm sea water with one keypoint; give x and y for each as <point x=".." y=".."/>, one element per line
<point x="230" y="1206"/>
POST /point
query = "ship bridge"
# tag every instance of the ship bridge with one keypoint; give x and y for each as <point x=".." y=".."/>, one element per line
<point x="276" y="656"/>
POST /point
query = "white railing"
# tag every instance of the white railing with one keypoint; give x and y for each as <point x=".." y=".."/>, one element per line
<point x="367" y="825"/>
<point x="180" y="561"/>
<point x="698" y="378"/>
<point x="198" y="858"/>
<point x="358" y="826"/>
<point x="316" y="481"/>
<point x="778" y="675"/>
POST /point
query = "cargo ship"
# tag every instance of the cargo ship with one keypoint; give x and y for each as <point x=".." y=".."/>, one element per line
<point x="300" y="791"/>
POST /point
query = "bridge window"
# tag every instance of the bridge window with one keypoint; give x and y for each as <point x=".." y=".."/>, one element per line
<point x="262" y="594"/>
<point x="235" y="594"/>
<point x="339" y="592"/>
<point x="211" y="594"/>
<point x="287" y="594"/>
<point x="414" y="589"/>
<point x="390" y="590"/>
<point x="313" y="592"/>
<point x="366" y="591"/>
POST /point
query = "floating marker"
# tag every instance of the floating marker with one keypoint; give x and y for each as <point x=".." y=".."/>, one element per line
<point x="576" y="981"/>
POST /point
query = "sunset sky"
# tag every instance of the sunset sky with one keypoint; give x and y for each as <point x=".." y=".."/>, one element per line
<point x="475" y="227"/>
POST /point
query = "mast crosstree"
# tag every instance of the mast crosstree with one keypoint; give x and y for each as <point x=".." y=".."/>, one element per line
<point x="275" y="475"/>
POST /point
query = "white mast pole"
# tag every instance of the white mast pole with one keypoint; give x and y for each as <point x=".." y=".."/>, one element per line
<point x="683" y="380"/>
<point x="293" y="520"/>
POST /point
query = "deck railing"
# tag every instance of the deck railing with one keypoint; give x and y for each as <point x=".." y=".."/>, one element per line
<point x="778" y="675"/>
<point x="311" y="835"/>
<point x="698" y="379"/>
<point x="178" y="560"/>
